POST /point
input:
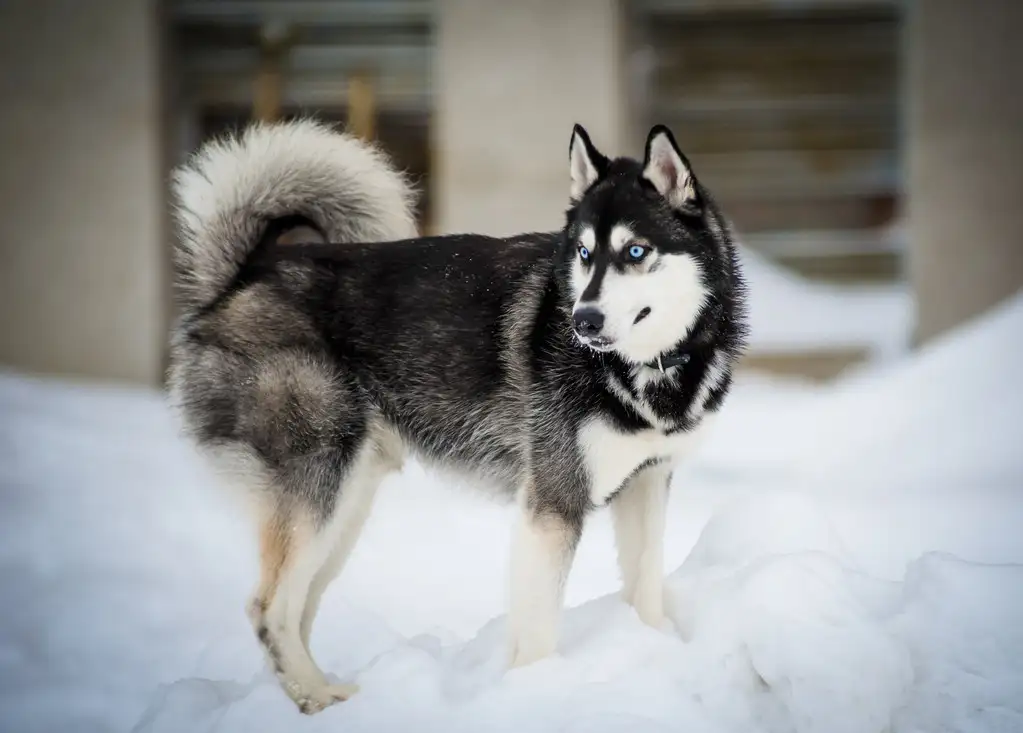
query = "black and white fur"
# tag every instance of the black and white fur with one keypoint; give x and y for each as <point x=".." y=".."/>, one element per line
<point x="320" y="344"/>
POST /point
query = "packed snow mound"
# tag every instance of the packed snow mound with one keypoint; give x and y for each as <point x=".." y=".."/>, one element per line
<point x="961" y="396"/>
<point x="774" y="638"/>
<point x="842" y="559"/>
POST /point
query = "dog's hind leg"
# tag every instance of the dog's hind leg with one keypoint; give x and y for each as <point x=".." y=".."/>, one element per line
<point x="638" y="515"/>
<point x="542" y="552"/>
<point x="293" y="549"/>
<point x="345" y="534"/>
<point x="384" y="454"/>
<point x="302" y="549"/>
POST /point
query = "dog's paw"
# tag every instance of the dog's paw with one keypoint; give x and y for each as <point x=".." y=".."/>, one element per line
<point x="312" y="700"/>
<point x="517" y="660"/>
<point x="522" y="655"/>
<point x="654" y="618"/>
<point x="651" y="607"/>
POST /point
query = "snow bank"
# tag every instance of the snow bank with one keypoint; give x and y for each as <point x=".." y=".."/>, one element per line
<point x="845" y="559"/>
<point x="904" y="452"/>
<point x="790" y="313"/>
<point x="781" y="636"/>
<point x="959" y="398"/>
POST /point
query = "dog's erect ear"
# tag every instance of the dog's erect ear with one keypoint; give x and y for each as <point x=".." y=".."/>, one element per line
<point x="668" y="170"/>
<point x="585" y="162"/>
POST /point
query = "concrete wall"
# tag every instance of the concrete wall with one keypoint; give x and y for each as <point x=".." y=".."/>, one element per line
<point x="510" y="79"/>
<point x="964" y="139"/>
<point x="82" y="279"/>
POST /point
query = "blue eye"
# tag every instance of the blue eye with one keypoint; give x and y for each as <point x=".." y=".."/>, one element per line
<point x="637" y="252"/>
<point x="584" y="253"/>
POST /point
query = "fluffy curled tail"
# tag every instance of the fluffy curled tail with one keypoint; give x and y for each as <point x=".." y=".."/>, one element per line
<point x="233" y="187"/>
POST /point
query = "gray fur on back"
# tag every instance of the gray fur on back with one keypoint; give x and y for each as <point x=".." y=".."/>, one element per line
<point x="300" y="359"/>
<point x="308" y="370"/>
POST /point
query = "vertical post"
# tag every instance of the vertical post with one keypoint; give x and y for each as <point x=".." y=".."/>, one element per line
<point x="268" y="92"/>
<point x="965" y="158"/>
<point x="361" y="106"/>
<point x="82" y="270"/>
<point x="510" y="80"/>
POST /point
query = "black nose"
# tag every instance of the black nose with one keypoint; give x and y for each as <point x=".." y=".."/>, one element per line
<point x="588" y="321"/>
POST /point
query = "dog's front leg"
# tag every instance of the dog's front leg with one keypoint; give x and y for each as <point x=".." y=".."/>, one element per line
<point x="638" y="517"/>
<point x="542" y="551"/>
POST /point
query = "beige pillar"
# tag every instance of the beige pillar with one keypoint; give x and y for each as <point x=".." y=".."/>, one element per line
<point x="362" y="108"/>
<point x="511" y="78"/>
<point x="83" y="261"/>
<point x="965" y="157"/>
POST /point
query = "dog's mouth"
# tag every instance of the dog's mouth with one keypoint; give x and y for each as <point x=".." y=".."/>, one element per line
<point x="597" y="343"/>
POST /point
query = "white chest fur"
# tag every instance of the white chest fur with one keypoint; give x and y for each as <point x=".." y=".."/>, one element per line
<point x="612" y="456"/>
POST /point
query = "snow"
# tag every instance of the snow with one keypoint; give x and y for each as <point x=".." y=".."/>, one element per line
<point x="789" y="313"/>
<point x="844" y="558"/>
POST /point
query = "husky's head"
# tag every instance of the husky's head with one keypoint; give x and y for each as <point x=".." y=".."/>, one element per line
<point x="638" y="245"/>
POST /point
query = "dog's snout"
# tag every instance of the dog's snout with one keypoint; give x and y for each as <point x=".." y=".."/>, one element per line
<point x="588" y="321"/>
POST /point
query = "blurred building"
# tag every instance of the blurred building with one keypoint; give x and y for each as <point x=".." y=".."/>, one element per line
<point x="815" y="122"/>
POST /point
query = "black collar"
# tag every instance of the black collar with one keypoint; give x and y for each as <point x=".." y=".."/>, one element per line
<point x="675" y="358"/>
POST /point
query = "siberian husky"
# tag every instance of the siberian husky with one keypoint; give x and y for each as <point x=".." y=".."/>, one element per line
<point x="320" y="343"/>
